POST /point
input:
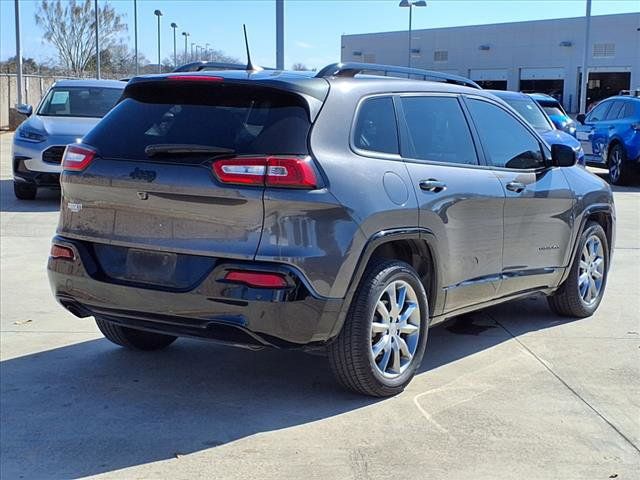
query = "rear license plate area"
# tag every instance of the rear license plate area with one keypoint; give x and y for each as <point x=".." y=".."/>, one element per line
<point x="147" y="266"/>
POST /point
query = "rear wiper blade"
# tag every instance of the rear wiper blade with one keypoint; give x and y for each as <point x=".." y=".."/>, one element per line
<point x="183" y="149"/>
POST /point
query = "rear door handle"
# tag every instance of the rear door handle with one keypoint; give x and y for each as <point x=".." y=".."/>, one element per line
<point x="516" y="186"/>
<point x="432" y="185"/>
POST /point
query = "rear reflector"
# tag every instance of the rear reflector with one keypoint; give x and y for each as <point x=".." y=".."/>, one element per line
<point x="62" y="253"/>
<point x="195" y="78"/>
<point x="76" y="157"/>
<point x="257" y="279"/>
<point x="271" y="171"/>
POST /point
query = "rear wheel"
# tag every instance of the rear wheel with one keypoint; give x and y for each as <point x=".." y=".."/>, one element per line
<point x="619" y="171"/>
<point x="384" y="336"/>
<point x="581" y="293"/>
<point x="132" y="338"/>
<point x="24" y="191"/>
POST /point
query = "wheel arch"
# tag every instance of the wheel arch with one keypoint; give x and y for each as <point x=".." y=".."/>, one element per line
<point x="417" y="247"/>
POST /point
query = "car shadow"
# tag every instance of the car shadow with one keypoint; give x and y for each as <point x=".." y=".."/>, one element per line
<point x="604" y="174"/>
<point x="91" y="407"/>
<point x="47" y="200"/>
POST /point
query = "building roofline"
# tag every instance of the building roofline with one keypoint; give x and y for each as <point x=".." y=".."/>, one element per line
<point x="490" y="24"/>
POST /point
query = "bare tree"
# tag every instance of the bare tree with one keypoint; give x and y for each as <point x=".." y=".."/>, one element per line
<point x="70" y="27"/>
<point x="299" y="66"/>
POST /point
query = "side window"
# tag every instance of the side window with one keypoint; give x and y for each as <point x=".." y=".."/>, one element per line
<point x="437" y="130"/>
<point x="506" y="142"/>
<point x="376" y="128"/>
<point x="599" y="112"/>
<point x="628" y="111"/>
<point x="615" y="110"/>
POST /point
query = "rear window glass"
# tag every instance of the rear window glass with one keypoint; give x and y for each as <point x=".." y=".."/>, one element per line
<point x="242" y="119"/>
<point x="79" y="101"/>
<point x="376" y="128"/>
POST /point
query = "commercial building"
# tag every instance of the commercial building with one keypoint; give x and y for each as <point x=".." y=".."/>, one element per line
<point x="535" y="56"/>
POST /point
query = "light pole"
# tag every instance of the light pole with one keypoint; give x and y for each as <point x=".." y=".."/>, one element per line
<point x="18" y="52"/>
<point x="95" y="4"/>
<point x="411" y="4"/>
<point x="135" y="34"/>
<point x="280" y="34"/>
<point x="206" y="51"/>
<point x="192" y="57"/>
<point x="158" y="14"/>
<point x="186" y="36"/>
<point x="175" y="56"/>
<point x="584" y="81"/>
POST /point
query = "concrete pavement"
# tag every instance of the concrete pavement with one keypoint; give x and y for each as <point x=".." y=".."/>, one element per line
<point x="509" y="392"/>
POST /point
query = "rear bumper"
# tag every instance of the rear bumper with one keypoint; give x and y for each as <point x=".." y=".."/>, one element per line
<point x="212" y="309"/>
<point x="41" y="179"/>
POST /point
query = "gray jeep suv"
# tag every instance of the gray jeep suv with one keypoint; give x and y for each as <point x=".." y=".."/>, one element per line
<point x="347" y="211"/>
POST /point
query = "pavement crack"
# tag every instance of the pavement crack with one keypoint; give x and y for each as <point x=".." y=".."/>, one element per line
<point x="567" y="386"/>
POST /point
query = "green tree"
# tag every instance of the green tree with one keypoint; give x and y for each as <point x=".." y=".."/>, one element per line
<point x="70" y="27"/>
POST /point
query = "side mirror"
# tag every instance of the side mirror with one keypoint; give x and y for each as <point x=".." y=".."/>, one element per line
<point x="580" y="118"/>
<point x="563" y="155"/>
<point x="24" y="109"/>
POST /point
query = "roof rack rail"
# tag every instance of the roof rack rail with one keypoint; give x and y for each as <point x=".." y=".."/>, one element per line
<point x="351" y="69"/>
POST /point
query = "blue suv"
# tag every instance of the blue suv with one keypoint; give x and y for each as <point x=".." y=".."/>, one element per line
<point x="610" y="137"/>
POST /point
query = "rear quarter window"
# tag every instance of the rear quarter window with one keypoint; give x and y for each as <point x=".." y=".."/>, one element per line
<point x="376" y="128"/>
<point x="245" y="119"/>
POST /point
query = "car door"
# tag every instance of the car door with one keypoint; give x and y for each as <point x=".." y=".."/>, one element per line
<point x="538" y="204"/>
<point x="459" y="201"/>
<point x="592" y="133"/>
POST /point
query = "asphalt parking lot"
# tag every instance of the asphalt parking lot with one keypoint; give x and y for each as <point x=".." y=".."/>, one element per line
<point x="509" y="392"/>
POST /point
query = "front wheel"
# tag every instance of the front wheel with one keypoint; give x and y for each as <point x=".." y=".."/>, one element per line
<point x="385" y="334"/>
<point x="581" y="293"/>
<point x="619" y="171"/>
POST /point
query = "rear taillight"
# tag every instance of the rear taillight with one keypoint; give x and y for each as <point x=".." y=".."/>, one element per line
<point x="272" y="171"/>
<point x="257" y="279"/>
<point x="62" y="253"/>
<point x="77" y="158"/>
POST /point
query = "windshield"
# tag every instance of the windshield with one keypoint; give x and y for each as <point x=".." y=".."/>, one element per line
<point x="553" y="111"/>
<point x="79" y="101"/>
<point x="530" y="111"/>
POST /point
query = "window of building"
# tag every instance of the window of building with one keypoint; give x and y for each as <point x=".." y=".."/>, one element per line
<point x="506" y="142"/>
<point x="441" y="56"/>
<point x="437" y="130"/>
<point x="603" y="50"/>
<point x="376" y="128"/>
<point x="369" y="58"/>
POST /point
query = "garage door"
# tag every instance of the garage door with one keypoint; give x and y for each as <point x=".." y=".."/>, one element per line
<point x="542" y="74"/>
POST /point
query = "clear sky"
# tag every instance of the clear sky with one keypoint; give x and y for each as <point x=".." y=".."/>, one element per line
<point x="312" y="27"/>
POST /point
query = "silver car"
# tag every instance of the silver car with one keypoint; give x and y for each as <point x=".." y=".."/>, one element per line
<point x="66" y="113"/>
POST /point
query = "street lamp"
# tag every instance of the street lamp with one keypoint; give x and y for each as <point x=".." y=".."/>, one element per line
<point x="192" y="57"/>
<point x="95" y="3"/>
<point x="175" y="56"/>
<point x="411" y="4"/>
<point x="135" y="34"/>
<point x="186" y="36"/>
<point x="158" y="14"/>
<point x="206" y="51"/>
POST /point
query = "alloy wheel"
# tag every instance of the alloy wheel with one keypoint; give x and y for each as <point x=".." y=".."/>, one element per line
<point x="395" y="329"/>
<point x="592" y="270"/>
<point x="615" y="165"/>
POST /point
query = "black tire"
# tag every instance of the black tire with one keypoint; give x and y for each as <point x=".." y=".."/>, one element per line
<point x="350" y="354"/>
<point x="567" y="301"/>
<point x="24" y="191"/>
<point x="619" y="169"/>
<point x="132" y="338"/>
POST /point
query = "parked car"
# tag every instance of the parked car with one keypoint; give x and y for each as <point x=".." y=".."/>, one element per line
<point x="331" y="211"/>
<point x="610" y="137"/>
<point x="533" y="113"/>
<point x="556" y="112"/>
<point x="66" y="113"/>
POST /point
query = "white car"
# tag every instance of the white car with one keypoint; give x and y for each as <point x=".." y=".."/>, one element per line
<point x="66" y="113"/>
